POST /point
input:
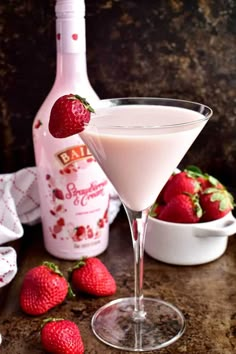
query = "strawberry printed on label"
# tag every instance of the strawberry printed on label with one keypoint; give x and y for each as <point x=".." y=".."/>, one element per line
<point x="58" y="194"/>
<point x="61" y="222"/>
<point x="101" y="223"/>
<point x="80" y="233"/>
<point x="38" y="124"/>
<point x="89" y="231"/>
<point x="57" y="229"/>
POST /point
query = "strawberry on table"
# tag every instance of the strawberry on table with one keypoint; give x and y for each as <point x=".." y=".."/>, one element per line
<point x="60" y="336"/>
<point x="180" y="183"/>
<point x="183" y="208"/>
<point x="69" y="115"/>
<point x="91" y="276"/>
<point x="216" y="203"/>
<point x="43" y="288"/>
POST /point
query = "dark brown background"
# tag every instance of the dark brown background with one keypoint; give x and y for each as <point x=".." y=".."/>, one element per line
<point x="182" y="49"/>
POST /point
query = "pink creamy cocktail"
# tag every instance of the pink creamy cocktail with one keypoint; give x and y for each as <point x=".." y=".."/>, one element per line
<point x="138" y="142"/>
<point x="138" y="158"/>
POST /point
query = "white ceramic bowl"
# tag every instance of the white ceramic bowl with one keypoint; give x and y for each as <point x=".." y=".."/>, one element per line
<point x="188" y="244"/>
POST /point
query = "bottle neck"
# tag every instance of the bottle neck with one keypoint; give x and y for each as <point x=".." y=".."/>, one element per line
<point x="71" y="49"/>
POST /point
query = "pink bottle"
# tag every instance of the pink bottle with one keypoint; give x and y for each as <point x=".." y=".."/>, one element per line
<point x="73" y="190"/>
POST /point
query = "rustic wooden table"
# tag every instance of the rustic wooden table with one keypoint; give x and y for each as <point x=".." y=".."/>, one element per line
<point x="206" y="294"/>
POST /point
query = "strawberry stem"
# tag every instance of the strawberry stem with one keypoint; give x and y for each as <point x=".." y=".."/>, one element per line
<point x="77" y="265"/>
<point x="53" y="267"/>
<point x="50" y="319"/>
<point x="70" y="293"/>
<point x="193" y="171"/>
<point x="152" y="212"/>
<point x="83" y="101"/>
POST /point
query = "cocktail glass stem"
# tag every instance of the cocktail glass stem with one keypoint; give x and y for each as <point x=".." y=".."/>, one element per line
<point x="138" y="224"/>
<point x="124" y="135"/>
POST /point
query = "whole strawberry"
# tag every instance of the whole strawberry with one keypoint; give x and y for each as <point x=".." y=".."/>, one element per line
<point x="208" y="181"/>
<point x="61" y="336"/>
<point x="215" y="203"/>
<point x="205" y="180"/>
<point x="43" y="288"/>
<point x="69" y="115"/>
<point x="91" y="276"/>
<point x="180" y="183"/>
<point x="183" y="208"/>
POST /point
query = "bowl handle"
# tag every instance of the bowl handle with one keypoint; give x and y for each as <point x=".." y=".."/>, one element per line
<point x="228" y="228"/>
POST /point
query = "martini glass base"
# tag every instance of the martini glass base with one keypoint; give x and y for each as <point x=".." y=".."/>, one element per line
<point x="113" y="324"/>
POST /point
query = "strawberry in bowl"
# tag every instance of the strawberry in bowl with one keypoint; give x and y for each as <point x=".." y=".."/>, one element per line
<point x="191" y="197"/>
<point x="191" y="219"/>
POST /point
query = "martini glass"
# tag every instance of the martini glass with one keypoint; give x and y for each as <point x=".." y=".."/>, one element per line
<point x="138" y="142"/>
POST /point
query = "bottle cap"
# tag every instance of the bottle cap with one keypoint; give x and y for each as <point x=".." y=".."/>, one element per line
<point x="68" y="8"/>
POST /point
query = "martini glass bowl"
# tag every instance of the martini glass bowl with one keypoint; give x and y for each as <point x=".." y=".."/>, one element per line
<point x="138" y="142"/>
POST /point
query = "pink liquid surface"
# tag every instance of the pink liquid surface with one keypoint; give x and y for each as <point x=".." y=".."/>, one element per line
<point x="138" y="158"/>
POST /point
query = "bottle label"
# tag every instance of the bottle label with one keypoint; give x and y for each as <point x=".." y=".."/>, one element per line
<point x="72" y="154"/>
<point x="74" y="196"/>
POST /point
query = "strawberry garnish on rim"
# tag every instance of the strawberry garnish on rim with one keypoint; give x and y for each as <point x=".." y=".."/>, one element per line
<point x="69" y="115"/>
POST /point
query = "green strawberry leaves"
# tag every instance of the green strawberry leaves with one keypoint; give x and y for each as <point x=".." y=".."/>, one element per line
<point x="152" y="212"/>
<point x="196" y="172"/>
<point x="53" y="267"/>
<point x="222" y="196"/>
<point x="193" y="171"/>
<point x="212" y="180"/>
<point x="50" y="319"/>
<point x="196" y="204"/>
<point x="56" y="270"/>
<point x="83" y="101"/>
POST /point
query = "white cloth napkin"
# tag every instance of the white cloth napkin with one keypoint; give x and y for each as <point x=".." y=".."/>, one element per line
<point x="19" y="204"/>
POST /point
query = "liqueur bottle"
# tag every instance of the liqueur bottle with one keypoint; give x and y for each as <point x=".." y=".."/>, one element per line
<point x="74" y="192"/>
